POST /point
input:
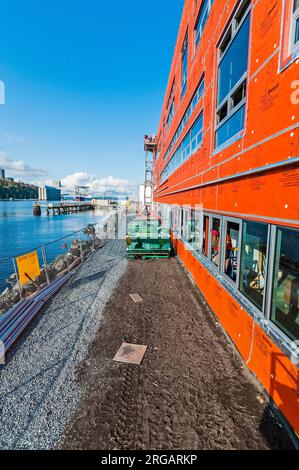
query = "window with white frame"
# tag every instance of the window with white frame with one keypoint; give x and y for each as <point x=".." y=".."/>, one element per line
<point x="295" y="25"/>
<point x="194" y="229"/>
<point x="184" y="65"/>
<point x="232" y="76"/>
<point x="285" y="291"/>
<point x="260" y="267"/>
<point x="231" y="249"/>
<point x="254" y="262"/>
<point x="205" y="235"/>
<point x="215" y="240"/>
<point x="202" y="19"/>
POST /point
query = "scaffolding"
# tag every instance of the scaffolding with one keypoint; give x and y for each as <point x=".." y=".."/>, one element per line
<point x="150" y="147"/>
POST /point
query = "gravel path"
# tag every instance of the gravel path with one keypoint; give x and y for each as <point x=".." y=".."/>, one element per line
<point x="190" y="392"/>
<point x="38" y="388"/>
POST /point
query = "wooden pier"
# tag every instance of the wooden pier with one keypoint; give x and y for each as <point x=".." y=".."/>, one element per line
<point x="62" y="208"/>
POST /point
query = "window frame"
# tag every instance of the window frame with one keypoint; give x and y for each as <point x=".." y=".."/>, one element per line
<point x="294" y="46"/>
<point x="289" y="50"/>
<point x="223" y="250"/>
<point x="261" y="316"/>
<point x="183" y="153"/>
<point x="262" y="311"/>
<point x="208" y="257"/>
<point x="220" y="218"/>
<point x="235" y="286"/>
<point x="184" y="224"/>
<point x="201" y="249"/>
<point x="198" y="93"/>
<point x="198" y="34"/>
<point x="170" y="114"/>
<point x="233" y="28"/>
<point x="184" y="53"/>
<point x="270" y="280"/>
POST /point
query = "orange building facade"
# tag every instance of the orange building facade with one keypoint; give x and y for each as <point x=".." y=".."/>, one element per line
<point x="226" y="174"/>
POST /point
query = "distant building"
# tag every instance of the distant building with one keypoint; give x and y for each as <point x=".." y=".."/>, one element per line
<point x="49" y="193"/>
<point x="67" y="197"/>
<point x="2" y="174"/>
<point x="112" y="199"/>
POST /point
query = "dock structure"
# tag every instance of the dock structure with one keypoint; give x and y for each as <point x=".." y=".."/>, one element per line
<point x="63" y="208"/>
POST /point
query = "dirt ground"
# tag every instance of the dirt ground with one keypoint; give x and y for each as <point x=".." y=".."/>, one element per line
<point x="191" y="390"/>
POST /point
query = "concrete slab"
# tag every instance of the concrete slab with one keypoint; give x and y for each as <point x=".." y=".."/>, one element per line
<point x="130" y="353"/>
<point x="136" y="298"/>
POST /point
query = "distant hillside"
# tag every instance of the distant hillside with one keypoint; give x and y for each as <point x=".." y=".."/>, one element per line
<point x="12" y="189"/>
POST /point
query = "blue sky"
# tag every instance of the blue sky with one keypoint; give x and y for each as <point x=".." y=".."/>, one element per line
<point x="84" y="80"/>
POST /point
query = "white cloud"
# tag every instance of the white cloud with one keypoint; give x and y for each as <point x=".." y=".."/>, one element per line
<point x="14" y="138"/>
<point x="98" y="186"/>
<point x="19" y="169"/>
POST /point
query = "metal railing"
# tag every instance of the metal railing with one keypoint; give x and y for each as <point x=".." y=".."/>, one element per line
<point x="55" y="258"/>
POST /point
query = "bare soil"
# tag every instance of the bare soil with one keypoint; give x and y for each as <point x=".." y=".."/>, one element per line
<point x="190" y="392"/>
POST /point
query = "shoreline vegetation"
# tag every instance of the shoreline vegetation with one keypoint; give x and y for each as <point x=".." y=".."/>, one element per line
<point x="18" y="200"/>
<point x="61" y="265"/>
<point x="13" y="190"/>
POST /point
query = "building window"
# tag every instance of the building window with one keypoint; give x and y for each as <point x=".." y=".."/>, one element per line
<point x="184" y="215"/>
<point x="170" y="115"/>
<point x="295" y="25"/>
<point x="171" y="95"/>
<point x="285" y="295"/>
<point x="290" y="33"/>
<point x="195" y="99"/>
<point x="202" y="19"/>
<point x="189" y="145"/>
<point x="232" y="246"/>
<point x="232" y="76"/>
<point x="184" y="65"/>
<point x="191" y="227"/>
<point x="177" y="222"/>
<point x="195" y="229"/>
<point x="215" y="241"/>
<point x="253" y="262"/>
<point x="205" y="236"/>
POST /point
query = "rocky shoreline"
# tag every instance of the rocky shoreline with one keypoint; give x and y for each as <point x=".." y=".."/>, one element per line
<point x="62" y="264"/>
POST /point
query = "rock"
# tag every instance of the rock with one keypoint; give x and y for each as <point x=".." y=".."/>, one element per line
<point x="59" y="258"/>
<point x="85" y="245"/>
<point x="70" y="258"/>
<point x="5" y="292"/>
<point x="28" y="289"/>
<point x="75" y="248"/>
<point x="41" y="278"/>
<point x="12" y="279"/>
<point x="60" y="265"/>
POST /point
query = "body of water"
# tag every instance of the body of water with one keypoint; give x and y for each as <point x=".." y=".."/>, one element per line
<point x="21" y="232"/>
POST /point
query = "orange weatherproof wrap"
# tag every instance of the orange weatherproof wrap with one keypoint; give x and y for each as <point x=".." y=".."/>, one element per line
<point x="256" y="177"/>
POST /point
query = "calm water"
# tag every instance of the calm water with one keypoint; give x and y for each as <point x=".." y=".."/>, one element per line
<point x="20" y="231"/>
